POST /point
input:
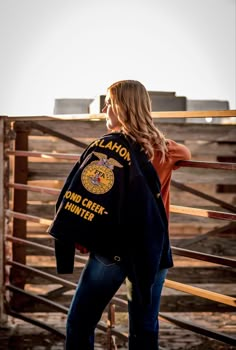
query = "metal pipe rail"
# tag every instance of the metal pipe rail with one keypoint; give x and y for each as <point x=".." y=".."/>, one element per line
<point x="22" y="153"/>
<point x="184" y="210"/>
<point x="75" y="157"/>
<point x="187" y="325"/>
<point x="173" y="208"/>
<point x="41" y="299"/>
<point x="124" y="336"/>
<point x="168" y="283"/>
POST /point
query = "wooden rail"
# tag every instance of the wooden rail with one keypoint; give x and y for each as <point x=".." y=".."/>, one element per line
<point x="166" y="114"/>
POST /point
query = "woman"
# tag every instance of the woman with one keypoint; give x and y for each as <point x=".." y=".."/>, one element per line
<point x="115" y="186"/>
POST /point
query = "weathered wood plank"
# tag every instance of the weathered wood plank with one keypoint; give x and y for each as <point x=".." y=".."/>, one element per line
<point x="204" y="176"/>
<point x="46" y="143"/>
<point x="213" y="113"/>
<point x="197" y="132"/>
<point x="211" y="148"/>
<point x="176" y="131"/>
<point x="51" y="144"/>
<point x="75" y="128"/>
<point x="179" y="197"/>
<point x="40" y="171"/>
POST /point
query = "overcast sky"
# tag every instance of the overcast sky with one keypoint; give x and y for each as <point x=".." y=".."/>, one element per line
<point x="76" y="48"/>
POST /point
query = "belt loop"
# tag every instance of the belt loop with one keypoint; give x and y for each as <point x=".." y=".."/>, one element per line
<point x="117" y="258"/>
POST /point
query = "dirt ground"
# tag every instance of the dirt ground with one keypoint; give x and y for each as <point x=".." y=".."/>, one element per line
<point x="19" y="335"/>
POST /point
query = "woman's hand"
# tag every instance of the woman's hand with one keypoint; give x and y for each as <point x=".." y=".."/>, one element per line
<point x="81" y="249"/>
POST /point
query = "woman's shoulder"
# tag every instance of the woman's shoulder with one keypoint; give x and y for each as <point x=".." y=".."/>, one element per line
<point x="111" y="145"/>
<point x="111" y="136"/>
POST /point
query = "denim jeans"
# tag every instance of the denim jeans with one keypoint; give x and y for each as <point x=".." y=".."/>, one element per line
<point x="143" y="321"/>
<point x="100" y="280"/>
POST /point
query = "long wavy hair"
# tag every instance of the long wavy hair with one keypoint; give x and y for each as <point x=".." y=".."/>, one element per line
<point x="131" y="103"/>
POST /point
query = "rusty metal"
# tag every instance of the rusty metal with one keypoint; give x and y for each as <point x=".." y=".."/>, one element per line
<point x="20" y="215"/>
<point x="4" y="203"/>
<point x="78" y="257"/>
<point x="200" y="330"/>
<point x="111" y="343"/>
<point x="26" y="217"/>
<point x="20" y="198"/>
<point x="43" y="274"/>
<point x="34" y="188"/>
<point x="36" y="323"/>
<point x="206" y="165"/>
<point x="41" y="299"/>
<point x="186" y="163"/>
<point x="173" y="208"/>
<point x="204" y="257"/>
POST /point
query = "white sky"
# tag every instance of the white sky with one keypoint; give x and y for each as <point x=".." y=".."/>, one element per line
<point x="76" y="48"/>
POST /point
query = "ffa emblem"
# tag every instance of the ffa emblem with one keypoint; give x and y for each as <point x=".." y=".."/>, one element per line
<point x="98" y="177"/>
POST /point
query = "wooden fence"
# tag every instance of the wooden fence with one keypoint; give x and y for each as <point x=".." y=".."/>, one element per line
<point x="36" y="154"/>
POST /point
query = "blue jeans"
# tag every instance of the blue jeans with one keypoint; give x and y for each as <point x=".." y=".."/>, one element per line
<point x="100" y="280"/>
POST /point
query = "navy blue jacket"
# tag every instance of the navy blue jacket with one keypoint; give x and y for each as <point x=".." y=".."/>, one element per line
<point x="111" y="204"/>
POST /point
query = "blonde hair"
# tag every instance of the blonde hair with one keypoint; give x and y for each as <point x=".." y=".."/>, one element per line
<point x="131" y="103"/>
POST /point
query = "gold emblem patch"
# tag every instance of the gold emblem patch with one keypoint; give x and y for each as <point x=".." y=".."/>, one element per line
<point x="98" y="176"/>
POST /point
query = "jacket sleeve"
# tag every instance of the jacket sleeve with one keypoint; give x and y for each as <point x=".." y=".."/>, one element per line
<point x="66" y="184"/>
<point x="65" y="254"/>
<point x="70" y="177"/>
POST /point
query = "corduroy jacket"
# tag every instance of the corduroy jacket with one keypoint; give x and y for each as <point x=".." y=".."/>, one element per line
<point x="111" y="204"/>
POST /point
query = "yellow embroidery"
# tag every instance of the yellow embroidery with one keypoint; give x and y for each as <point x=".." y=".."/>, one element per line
<point x="113" y="146"/>
<point x="98" y="177"/>
<point x="75" y="209"/>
